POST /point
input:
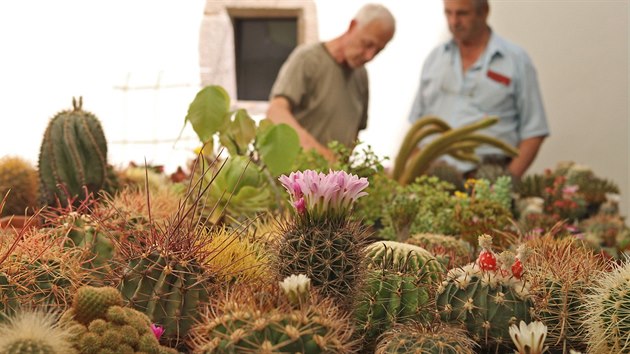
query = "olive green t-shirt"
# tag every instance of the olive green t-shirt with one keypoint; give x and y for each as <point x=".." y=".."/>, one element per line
<point x="328" y="99"/>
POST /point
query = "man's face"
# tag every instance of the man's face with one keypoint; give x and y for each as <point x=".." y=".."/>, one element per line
<point x="465" y="21"/>
<point x="364" y="42"/>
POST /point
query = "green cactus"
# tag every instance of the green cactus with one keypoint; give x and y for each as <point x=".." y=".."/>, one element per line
<point x="261" y="321"/>
<point x="73" y="154"/>
<point x="447" y="173"/>
<point x="330" y="254"/>
<point x="34" y="333"/>
<point x="607" y="316"/>
<point x="91" y="303"/>
<point x="406" y="258"/>
<point x="425" y="339"/>
<point x="20" y="177"/>
<point x="166" y="289"/>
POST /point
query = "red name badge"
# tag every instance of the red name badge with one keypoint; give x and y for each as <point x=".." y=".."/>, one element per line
<point x="499" y="78"/>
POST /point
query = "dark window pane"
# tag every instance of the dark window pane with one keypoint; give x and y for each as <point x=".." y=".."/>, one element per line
<point x="262" y="45"/>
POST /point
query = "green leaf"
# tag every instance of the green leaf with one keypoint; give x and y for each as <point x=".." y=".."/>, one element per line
<point x="209" y="112"/>
<point x="278" y="146"/>
<point x="239" y="133"/>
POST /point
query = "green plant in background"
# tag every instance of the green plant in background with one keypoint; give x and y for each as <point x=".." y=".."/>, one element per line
<point x="73" y="155"/>
<point x="271" y="149"/>
<point x="459" y="142"/>
<point x="20" y="177"/>
<point x="607" y="233"/>
<point x="451" y="251"/>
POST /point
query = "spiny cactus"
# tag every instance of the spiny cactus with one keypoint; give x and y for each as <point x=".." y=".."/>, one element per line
<point x="34" y="333"/>
<point x="607" y="315"/>
<point x="73" y="154"/>
<point x="260" y="319"/>
<point x="447" y="173"/>
<point x="398" y="287"/>
<point x="320" y="241"/>
<point x="20" y="177"/>
<point x="486" y="296"/>
<point x="435" y="338"/>
<point x="100" y="326"/>
<point x="562" y="272"/>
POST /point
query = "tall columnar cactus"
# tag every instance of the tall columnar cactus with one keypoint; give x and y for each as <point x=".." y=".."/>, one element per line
<point x="73" y="154"/>
<point x="398" y="287"/>
<point x="607" y="316"/>
<point x="34" y="333"/>
<point x="435" y="338"/>
<point x="486" y="296"/>
<point x="262" y="320"/>
<point x="99" y="325"/>
<point x="320" y="242"/>
<point x="458" y="142"/>
<point x="562" y="272"/>
<point x="20" y="177"/>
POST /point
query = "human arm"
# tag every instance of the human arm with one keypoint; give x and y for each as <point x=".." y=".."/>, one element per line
<point x="279" y="111"/>
<point x="528" y="149"/>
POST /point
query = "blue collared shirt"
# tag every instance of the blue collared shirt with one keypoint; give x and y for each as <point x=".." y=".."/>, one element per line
<point x="501" y="83"/>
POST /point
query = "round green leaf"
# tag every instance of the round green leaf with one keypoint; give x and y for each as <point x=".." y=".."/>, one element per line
<point x="278" y="146"/>
<point x="209" y="112"/>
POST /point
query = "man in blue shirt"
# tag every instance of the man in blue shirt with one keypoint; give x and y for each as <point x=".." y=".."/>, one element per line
<point x="478" y="74"/>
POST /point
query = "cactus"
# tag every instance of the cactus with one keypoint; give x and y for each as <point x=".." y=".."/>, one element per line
<point x="20" y="177"/>
<point x="486" y="296"/>
<point x="561" y="273"/>
<point x="259" y="319"/>
<point x="447" y="173"/>
<point x="449" y="250"/>
<point x="73" y="154"/>
<point x="101" y="326"/>
<point x="34" y="333"/>
<point x="397" y="288"/>
<point x="459" y="142"/>
<point x="425" y="339"/>
<point x="607" y="316"/>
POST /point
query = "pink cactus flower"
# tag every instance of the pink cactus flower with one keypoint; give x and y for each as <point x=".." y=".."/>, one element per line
<point x="157" y="330"/>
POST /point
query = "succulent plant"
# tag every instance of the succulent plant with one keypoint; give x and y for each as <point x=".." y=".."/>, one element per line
<point x="607" y="316"/>
<point x="260" y="319"/>
<point x="486" y="296"/>
<point x="73" y="154"/>
<point x="448" y="250"/>
<point x="562" y="272"/>
<point x="20" y="178"/>
<point x="34" y="333"/>
<point x="432" y="338"/>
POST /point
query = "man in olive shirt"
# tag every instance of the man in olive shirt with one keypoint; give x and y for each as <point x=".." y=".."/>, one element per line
<point x="322" y="89"/>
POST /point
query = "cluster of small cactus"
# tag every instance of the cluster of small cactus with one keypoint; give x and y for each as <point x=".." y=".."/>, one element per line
<point x="262" y="320"/>
<point x="100" y="324"/>
<point x="487" y="296"/>
<point x="18" y="178"/>
<point x="73" y="157"/>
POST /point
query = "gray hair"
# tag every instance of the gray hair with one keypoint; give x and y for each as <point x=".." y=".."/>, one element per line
<point x="372" y="12"/>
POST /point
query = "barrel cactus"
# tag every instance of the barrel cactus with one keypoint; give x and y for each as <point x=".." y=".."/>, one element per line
<point x="398" y="287"/>
<point x="73" y="155"/>
<point x="607" y="316"/>
<point x="260" y="319"/>
<point x="486" y="296"/>
<point x="320" y="241"/>
<point x="34" y="333"/>
<point x="20" y="177"/>
<point x="449" y="250"/>
<point x="434" y="338"/>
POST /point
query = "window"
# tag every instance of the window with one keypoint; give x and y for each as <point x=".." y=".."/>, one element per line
<point x="261" y="47"/>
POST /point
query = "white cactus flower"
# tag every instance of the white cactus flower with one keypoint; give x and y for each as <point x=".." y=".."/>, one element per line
<point x="296" y="287"/>
<point x="529" y="338"/>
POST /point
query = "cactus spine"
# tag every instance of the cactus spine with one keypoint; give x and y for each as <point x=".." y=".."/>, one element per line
<point x="425" y="339"/>
<point x="73" y="154"/>
<point x="17" y="175"/>
<point x="34" y="333"/>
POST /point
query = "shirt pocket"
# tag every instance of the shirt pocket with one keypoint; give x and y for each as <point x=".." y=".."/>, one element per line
<point x="495" y="98"/>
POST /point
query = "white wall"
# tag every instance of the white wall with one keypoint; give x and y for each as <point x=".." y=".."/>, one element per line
<point x="53" y="50"/>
